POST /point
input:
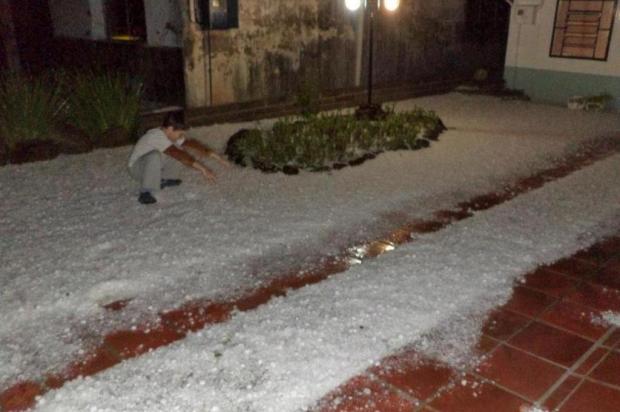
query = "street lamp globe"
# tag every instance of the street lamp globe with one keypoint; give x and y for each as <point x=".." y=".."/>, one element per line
<point x="391" y="5"/>
<point x="353" y="5"/>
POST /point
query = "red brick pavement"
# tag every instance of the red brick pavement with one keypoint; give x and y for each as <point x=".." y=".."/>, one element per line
<point x="544" y="347"/>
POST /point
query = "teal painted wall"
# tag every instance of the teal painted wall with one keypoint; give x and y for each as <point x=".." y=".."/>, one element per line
<point x="556" y="87"/>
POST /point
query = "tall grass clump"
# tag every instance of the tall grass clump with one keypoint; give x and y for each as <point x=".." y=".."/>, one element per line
<point x="30" y="107"/>
<point x="105" y="106"/>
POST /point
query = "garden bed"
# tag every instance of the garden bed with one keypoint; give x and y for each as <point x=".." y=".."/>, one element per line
<point x="44" y="116"/>
<point x="331" y="141"/>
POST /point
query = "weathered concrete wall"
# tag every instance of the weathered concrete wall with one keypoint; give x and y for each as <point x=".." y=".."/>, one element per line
<point x="284" y="46"/>
<point x="281" y="45"/>
<point x="418" y="41"/>
<point x="337" y="50"/>
<point x="277" y="43"/>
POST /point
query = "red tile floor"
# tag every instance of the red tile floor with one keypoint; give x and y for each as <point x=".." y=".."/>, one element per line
<point x="541" y="348"/>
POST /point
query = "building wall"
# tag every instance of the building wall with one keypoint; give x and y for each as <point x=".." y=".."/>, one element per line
<point x="420" y="40"/>
<point x="553" y="79"/>
<point x="281" y="45"/>
<point x="259" y="59"/>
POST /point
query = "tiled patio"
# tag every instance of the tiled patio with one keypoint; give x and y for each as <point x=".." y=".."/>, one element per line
<point x="541" y="348"/>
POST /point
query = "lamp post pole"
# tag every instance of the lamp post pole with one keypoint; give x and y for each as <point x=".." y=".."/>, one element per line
<point x="370" y="110"/>
<point x="370" y="10"/>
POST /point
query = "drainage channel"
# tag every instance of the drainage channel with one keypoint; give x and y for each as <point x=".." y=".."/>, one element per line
<point x="175" y="324"/>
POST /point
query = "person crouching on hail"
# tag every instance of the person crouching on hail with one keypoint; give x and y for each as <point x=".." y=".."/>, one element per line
<point x="156" y="157"/>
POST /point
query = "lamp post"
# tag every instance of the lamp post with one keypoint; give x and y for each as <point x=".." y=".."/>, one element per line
<point x="370" y="110"/>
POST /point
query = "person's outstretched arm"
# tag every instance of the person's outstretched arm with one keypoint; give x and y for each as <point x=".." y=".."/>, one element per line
<point x="203" y="150"/>
<point x="189" y="161"/>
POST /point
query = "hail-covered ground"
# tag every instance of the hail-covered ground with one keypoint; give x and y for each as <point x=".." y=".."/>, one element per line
<point x="74" y="238"/>
<point x="611" y="318"/>
<point x="287" y="354"/>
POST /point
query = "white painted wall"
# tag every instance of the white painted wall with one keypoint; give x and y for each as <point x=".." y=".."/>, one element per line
<point x="529" y="45"/>
<point x="164" y="23"/>
<point x="98" y="23"/>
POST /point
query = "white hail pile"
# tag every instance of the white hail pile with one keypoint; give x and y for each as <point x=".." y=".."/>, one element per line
<point x="75" y="238"/>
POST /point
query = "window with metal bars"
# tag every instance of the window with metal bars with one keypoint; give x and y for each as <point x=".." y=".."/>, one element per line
<point x="583" y="28"/>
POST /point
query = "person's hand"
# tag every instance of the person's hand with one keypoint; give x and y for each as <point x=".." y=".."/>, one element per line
<point x="206" y="172"/>
<point x="209" y="175"/>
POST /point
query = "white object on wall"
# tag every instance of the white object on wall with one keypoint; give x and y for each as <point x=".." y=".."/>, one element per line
<point x="98" y="24"/>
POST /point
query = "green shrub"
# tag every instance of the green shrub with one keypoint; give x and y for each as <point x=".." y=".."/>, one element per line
<point x="30" y="107"/>
<point x="102" y="102"/>
<point x="324" y="141"/>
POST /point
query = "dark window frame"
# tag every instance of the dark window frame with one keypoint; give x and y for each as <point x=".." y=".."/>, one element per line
<point x="224" y="19"/>
<point x="556" y="28"/>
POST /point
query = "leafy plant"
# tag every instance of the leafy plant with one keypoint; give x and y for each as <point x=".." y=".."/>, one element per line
<point x="601" y="98"/>
<point x="30" y="107"/>
<point x="323" y="141"/>
<point x="101" y="102"/>
<point x="590" y="103"/>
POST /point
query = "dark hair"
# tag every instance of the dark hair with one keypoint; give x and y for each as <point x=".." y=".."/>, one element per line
<point x="174" y="120"/>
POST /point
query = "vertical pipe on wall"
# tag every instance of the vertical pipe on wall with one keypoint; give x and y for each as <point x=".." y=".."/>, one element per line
<point x="371" y="26"/>
<point x="192" y="11"/>
<point x="319" y="57"/>
<point x="516" y="63"/>
<point x="193" y="53"/>
<point x="209" y="61"/>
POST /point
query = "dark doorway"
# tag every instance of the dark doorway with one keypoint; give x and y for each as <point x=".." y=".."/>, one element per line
<point x="34" y="33"/>
<point x="486" y="28"/>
